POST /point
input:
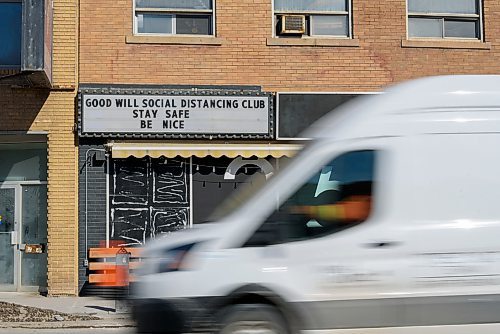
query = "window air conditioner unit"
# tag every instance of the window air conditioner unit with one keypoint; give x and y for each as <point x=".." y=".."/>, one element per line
<point x="292" y="24"/>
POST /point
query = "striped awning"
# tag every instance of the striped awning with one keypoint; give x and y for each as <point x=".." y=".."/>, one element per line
<point x="171" y="150"/>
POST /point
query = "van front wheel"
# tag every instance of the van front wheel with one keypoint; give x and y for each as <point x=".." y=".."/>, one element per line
<point x="252" y="319"/>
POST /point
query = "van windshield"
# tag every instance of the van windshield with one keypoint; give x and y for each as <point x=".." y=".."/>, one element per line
<point x="337" y="197"/>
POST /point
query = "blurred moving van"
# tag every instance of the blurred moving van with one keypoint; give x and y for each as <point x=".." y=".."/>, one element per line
<point x="388" y="221"/>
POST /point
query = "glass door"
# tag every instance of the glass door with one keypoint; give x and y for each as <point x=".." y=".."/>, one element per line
<point x="33" y="238"/>
<point x="8" y="238"/>
<point x="23" y="237"/>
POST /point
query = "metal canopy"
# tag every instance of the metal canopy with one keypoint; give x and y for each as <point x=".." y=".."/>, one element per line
<point x="171" y="150"/>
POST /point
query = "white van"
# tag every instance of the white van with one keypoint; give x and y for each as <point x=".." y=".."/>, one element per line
<point x="421" y="254"/>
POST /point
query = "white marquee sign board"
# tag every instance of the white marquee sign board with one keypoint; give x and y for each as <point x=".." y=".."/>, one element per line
<point x="175" y="114"/>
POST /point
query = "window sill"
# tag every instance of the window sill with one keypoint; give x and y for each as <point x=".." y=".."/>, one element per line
<point x="183" y="40"/>
<point x="308" y="41"/>
<point x="444" y="44"/>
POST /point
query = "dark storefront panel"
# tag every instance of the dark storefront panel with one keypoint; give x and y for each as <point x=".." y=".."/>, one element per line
<point x="211" y="188"/>
<point x="92" y="205"/>
<point x="298" y="111"/>
<point x="149" y="198"/>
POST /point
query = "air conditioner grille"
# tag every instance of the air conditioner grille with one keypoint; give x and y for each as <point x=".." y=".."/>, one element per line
<point x="292" y="24"/>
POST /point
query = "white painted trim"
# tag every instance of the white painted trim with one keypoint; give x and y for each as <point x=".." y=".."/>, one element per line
<point x="191" y="192"/>
<point x="273" y="20"/>
<point x="407" y="21"/>
<point x="250" y="147"/>
<point x="38" y="132"/>
<point x="134" y="21"/>
<point x="17" y="229"/>
<point x="481" y="16"/>
<point x="108" y="213"/>
<point x="214" y="21"/>
<point x="350" y="17"/>
<point x="22" y="183"/>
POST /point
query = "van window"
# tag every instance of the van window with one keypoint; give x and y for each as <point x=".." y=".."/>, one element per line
<point x="337" y="197"/>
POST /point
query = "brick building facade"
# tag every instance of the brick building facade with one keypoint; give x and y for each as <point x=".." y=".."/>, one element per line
<point x="168" y="52"/>
<point x="38" y="171"/>
<point x="244" y="52"/>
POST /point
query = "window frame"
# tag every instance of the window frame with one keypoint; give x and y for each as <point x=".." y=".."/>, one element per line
<point x="310" y="13"/>
<point x="173" y="12"/>
<point x="444" y="17"/>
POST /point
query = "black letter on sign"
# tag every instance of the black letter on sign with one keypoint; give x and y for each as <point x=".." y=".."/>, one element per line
<point x="146" y="124"/>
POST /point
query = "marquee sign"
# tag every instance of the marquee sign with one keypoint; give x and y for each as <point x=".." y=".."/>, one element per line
<point x="161" y="114"/>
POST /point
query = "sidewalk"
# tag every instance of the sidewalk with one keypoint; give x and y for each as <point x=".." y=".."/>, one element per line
<point x="84" y="311"/>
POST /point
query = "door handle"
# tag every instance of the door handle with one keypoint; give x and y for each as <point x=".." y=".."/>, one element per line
<point x="382" y="244"/>
<point x="13" y="238"/>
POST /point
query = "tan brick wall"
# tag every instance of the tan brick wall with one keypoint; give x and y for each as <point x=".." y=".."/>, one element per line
<point x="65" y="44"/>
<point x="53" y="112"/>
<point x="244" y="58"/>
<point x="62" y="158"/>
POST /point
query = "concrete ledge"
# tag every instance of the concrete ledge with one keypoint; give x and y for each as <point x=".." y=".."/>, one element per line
<point x="307" y="41"/>
<point x="445" y="44"/>
<point x="182" y="40"/>
<point x="105" y="323"/>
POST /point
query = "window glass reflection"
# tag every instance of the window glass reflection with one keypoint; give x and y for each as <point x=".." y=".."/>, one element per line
<point x="10" y="34"/>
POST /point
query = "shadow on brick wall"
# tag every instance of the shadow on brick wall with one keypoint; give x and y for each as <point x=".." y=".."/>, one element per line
<point x="19" y="107"/>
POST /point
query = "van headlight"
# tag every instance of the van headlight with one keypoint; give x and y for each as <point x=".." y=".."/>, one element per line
<point x="165" y="260"/>
<point x="173" y="260"/>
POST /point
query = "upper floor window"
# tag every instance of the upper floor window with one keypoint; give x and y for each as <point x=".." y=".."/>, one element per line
<point x="328" y="18"/>
<point x="174" y="17"/>
<point x="444" y="19"/>
<point x="10" y="34"/>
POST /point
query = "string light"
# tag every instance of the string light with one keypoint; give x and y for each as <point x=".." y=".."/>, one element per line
<point x="221" y="182"/>
<point x="197" y="166"/>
